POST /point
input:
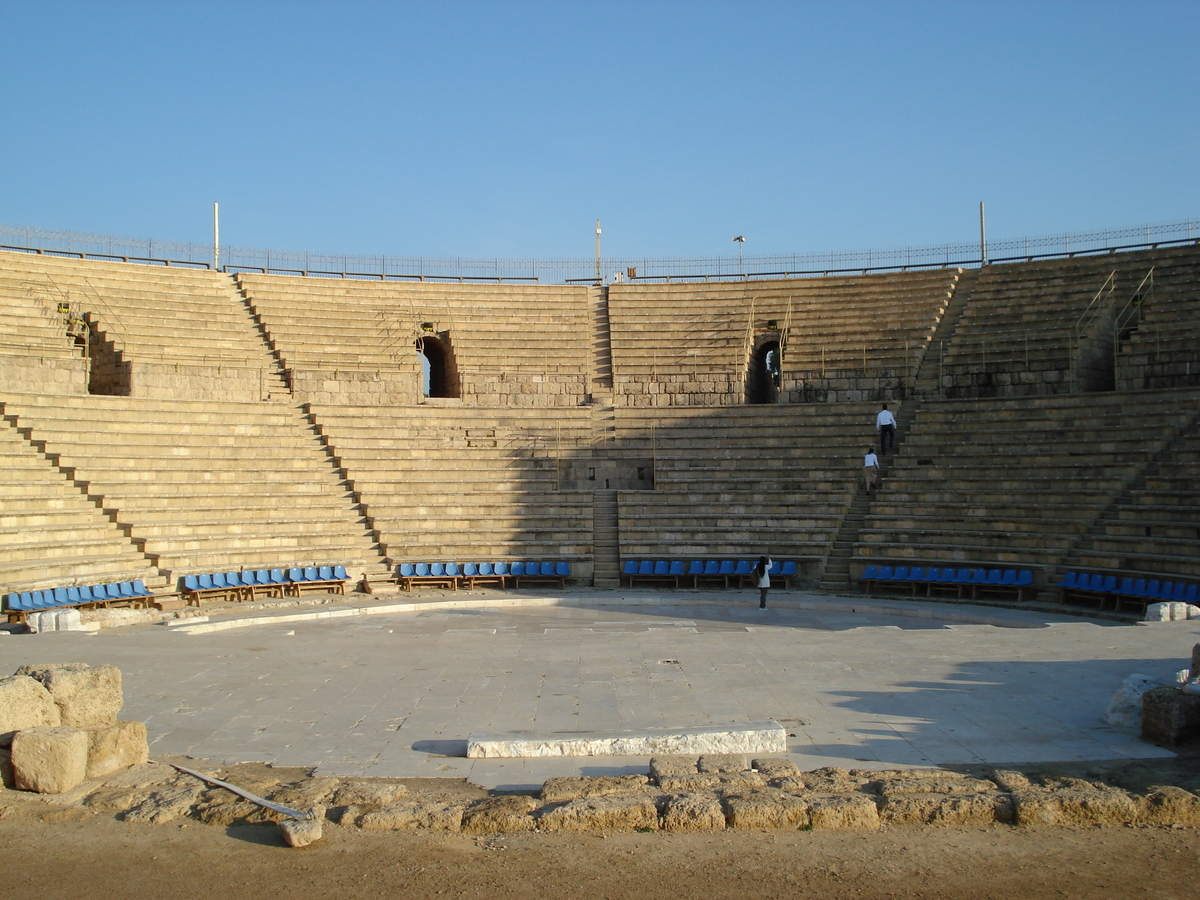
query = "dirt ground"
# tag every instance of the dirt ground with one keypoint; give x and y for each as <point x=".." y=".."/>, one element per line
<point x="73" y="853"/>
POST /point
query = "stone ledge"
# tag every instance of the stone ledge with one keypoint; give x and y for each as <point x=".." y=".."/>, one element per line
<point x="751" y="737"/>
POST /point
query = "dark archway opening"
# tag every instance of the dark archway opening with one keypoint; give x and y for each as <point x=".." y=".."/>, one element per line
<point x="437" y="376"/>
<point x="762" y="385"/>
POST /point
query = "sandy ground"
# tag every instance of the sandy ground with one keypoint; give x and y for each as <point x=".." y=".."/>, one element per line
<point x="107" y="858"/>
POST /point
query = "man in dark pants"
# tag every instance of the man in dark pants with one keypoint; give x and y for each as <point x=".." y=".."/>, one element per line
<point x="885" y="424"/>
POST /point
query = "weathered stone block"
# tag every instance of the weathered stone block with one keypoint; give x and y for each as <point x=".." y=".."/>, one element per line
<point x="927" y="781"/>
<point x="1032" y="808"/>
<point x="300" y="832"/>
<point x="679" y="784"/>
<point x="1169" y="715"/>
<point x="693" y="812"/>
<point x="560" y="790"/>
<point x="113" y="747"/>
<point x="501" y="814"/>
<point x="85" y="696"/>
<point x="413" y="814"/>
<point x="775" y="768"/>
<point x="49" y="760"/>
<point x="1170" y="805"/>
<point x="624" y="813"/>
<point x="843" y="811"/>
<point x="6" y="769"/>
<point x="940" y="809"/>
<point x="25" y="703"/>
<point x="164" y="805"/>
<point x="766" y="808"/>
<point x="722" y="762"/>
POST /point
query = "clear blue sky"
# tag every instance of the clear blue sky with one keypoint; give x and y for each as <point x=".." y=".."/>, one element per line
<point x="483" y="129"/>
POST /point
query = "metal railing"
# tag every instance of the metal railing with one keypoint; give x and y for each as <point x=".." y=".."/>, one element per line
<point x="564" y="271"/>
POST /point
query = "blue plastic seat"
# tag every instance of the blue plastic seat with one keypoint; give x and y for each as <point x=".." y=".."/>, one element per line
<point x="1126" y="587"/>
<point x="125" y="590"/>
<point x="111" y="592"/>
<point x="277" y="577"/>
<point x="1178" y="589"/>
<point x="900" y="573"/>
<point x="1070" y="581"/>
<point x="916" y="573"/>
<point x="712" y="567"/>
<point x="675" y="569"/>
<point x="1192" y="594"/>
<point x="1024" y="578"/>
<point x="191" y="583"/>
<point x="218" y="580"/>
<point x="262" y="577"/>
<point x="518" y="568"/>
<point x="311" y="573"/>
<point x="73" y="596"/>
<point x="662" y="567"/>
<point x="339" y="573"/>
<point x="789" y="568"/>
<point x="744" y="567"/>
<point x="36" y="600"/>
<point x="60" y="596"/>
<point x="13" y="601"/>
<point x="547" y="569"/>
<point x="1139" y="588"/>
<point x="645" y="567"/>
<point x="727" y="567"/>
<point x="870" y="573"/>
<point x="470" y="570"/>
<point x="630" y="568"/>
<point x="486" y="569"/>
<point x="407" y="570"/>
<point x="1009" y="578"/>
<point x="1108" y="585"/>
<point x="422" y="570"/>
<point x="452" y="569"/>
<point x="696" y="567"/>
<point x="324" y="573"/>
<point x="885" y="573"/>
<point x="563" y="569"/>
<point x="501" y="568"/>
<point x="438" y="570"/>
<point x="531" y="567"/>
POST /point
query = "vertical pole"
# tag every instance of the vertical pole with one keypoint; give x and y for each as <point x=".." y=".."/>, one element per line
<point x="598" y="250"/>
<point x="216" y="238"/>
<point x="982" y="237"/>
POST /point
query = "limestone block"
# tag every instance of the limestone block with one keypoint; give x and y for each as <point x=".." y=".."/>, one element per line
<point x="1008" y="780"/>
<point x="67" y="620"/>
<point x="1169" y="715"/>
<point x="775" y="768"/>
<point x="714" y="781"/>
<point x="827" y="780"/>
<point x="24" y="703"/>
<point x="413" y="814"/>
<point x="1169" y="805"/>
<point x="941" y="809"/>
<point x="927" y="781"/>
<point x="624" y="813"/>
<point x="114" y="747"/>
<point x="843" y="811"/>
<point x="722" y="762"/>
<point x="693" y="812"/>
<point x="501" y="814"/>
<point x="300" y="832"/>
<point x="165" y="805"/>
<point x="560" y="790"/>
<point x="1125" y="708"/>
<point x="752" y="737"/>
<point x="766" y="808"/>
<point x="678" y="765"/>
<point x="6" y="769"/>
<point x="1082" y="807"/>
<point x="49" y="760"/>
<point x="86" y="696"/>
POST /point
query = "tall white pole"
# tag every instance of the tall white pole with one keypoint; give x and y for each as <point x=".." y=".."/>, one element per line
<point x="216" y="238"/>
<point x="597" y="250"/>
<point x="982" y="236"/>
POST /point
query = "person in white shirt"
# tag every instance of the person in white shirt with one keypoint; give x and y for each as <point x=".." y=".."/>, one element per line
<point x="870" y="469"/>
<point x="764" y="580"/>
<point x="885" y="424"/>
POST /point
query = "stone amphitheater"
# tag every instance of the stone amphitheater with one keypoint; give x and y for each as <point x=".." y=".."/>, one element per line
<point x="160" y="422"/>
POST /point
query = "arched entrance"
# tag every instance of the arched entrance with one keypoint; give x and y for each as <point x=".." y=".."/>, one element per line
<point x="437" y="375"/>
<point x="762" y="382"/>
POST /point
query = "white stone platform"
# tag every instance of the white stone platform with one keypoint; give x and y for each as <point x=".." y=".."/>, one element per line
<point x="751" y="737"/>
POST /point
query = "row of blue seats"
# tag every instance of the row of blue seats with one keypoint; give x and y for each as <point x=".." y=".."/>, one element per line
<point x="268" y="582"/>
<point x="723" y="570"/>
<point x="134" y="592"/>
<point x="973" y="583"/>
<point x="1130" y="590"/>
<point x="471" y="574"/>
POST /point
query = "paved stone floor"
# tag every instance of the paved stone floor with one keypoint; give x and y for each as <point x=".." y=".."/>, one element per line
<point x="397" y="691"/>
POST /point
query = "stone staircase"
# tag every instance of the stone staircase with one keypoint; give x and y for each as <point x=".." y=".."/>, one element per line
<point x="605" y="540"/>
